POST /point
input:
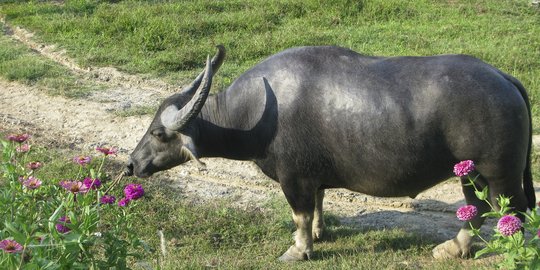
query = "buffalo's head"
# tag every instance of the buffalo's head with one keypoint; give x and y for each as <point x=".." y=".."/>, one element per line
<point x="167" y="142"/>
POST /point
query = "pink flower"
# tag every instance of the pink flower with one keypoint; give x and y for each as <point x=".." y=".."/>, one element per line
<point x="31" y="182"/>
<point x="124" y="202"/>
<point x="60" y="227"/>
<point x="34" y="165"/>
<point x="23" y="148"/>
<point x="74" y="186"/>
<point x="133" y="191"/>
<point x="82" y="160"/>
<point x="90" y="183"/>
<point x="464" y="168"/>
<point x="107" y="151"/>
<point x="20" y="138"/>
<point x="466" y="213"/>
<point x="10" y="246"/>
<point x="538" y="233"/>
<point x="107" y="199"/>
<point x="508" y="225"/>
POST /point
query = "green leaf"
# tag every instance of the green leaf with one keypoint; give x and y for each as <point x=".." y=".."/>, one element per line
<point x="31" y="266"/>
<point x="5" y="144"/>
<point x="503" y="201"/>
<point x="474" y="231"/>
<point x="72" y="237"/>
<point x="491" y="214"/>
<point x="483" y="251"/>
<point x="535" y="264"/>
<point x="54" y="217"/>
<point x="15" y="233"/>
<point x="482" y="195"/>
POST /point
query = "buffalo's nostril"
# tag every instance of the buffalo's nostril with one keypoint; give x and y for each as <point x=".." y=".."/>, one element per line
<point x="129" y="168"/>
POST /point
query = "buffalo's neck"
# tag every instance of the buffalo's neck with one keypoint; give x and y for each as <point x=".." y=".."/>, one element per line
<point x="226" y="132"/>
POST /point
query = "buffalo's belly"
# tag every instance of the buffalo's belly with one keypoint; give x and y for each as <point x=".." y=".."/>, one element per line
<point x="391" y="188"/>
<point x="393" y="175"/>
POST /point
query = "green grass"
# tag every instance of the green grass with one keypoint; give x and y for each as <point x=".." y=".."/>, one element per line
<point x="137" y="110"/>
<point x="216" y="235"/>
<point x="18" y="63"/>
<point x="535" y="164"/>
<point x="170" y="39"/>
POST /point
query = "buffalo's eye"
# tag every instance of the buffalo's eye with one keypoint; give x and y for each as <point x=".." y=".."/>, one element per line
<point x="159" y="134"/>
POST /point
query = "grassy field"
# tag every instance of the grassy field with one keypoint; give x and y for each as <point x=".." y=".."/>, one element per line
<point x="170" y="39"/>
<point x="19" y="63"/>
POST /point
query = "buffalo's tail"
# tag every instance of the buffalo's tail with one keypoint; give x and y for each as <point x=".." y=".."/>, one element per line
<point x="527" y="175"/>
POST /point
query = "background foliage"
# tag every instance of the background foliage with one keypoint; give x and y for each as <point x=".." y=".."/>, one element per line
<point x="171" y="38"/>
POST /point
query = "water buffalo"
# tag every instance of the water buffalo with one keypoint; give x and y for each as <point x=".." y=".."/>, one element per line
<point x="314" y="118"/>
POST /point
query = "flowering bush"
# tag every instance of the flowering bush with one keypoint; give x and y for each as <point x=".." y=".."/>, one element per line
<point x="508" y="238"/>
<point x="58" y="223"/>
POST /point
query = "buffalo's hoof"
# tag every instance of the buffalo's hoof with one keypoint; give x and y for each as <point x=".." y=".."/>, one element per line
<point x="293" y="254"/>
<point x="450" y="249"/>
<point x="317" y="234"/>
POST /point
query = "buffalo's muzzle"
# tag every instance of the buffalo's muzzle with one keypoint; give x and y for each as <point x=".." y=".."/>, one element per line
<point x="129" y="168"/>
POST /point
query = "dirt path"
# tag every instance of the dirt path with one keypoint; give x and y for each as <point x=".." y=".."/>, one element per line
<point x="90" y="122"/>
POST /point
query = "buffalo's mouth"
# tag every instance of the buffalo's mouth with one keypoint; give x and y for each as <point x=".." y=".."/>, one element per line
<point x="146" y="167"/>
<point x="129" y="168"/>
<point x="133" y="169"/>
<point x="143" y="173"/>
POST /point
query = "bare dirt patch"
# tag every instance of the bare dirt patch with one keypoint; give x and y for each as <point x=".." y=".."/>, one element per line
<point x="88" y="123"/>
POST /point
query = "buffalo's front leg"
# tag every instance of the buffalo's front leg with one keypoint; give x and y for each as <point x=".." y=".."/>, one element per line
<point x="303" y="247"/>
<point x="301" y="197"/>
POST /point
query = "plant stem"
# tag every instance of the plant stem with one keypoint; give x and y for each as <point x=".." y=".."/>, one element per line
<point x="22" y="257"/>
<point x="98" y="174"/>
<point x="476" y="189"/>
<point x="479" y="236"/>
<point x="79" y="173"/>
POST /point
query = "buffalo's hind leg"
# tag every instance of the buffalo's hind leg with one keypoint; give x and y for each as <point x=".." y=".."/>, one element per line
<point x="510" y="187"/>
<point x="460" y="246"/>
<point x="301" y="196"/>
<point x="318" y="221"/>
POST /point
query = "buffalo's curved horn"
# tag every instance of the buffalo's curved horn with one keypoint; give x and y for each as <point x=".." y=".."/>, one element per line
<point x="217" y="60"/>
<point x="181" y="117"/>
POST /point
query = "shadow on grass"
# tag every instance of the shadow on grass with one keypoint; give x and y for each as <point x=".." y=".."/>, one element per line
<point x="342" y="240"/>
<point x="346" y="241"/>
